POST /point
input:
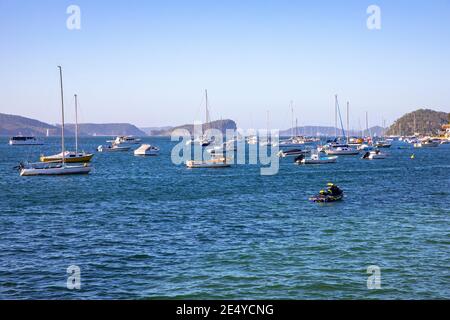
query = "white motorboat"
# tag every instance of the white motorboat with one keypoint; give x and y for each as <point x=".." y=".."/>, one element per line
<point x="52" y="168"/>
<point x="219" y="162"/>
<point x="146" y="150"/>
<point x="426" y="143"/>
<point x="316" y="159"/>
<point x="125" y="141"/>
<point x="445" y="142"/>
<point x="24" y="141"/>
<point x="113" y="148"/>
<point x="383" y="144"/>
<point x="292" y="152"/>
<point x="374" y="155"/>
<point x="342" y="151"/>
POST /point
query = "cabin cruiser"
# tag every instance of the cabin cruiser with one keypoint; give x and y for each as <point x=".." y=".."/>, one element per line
<point x="217" y="162"/>
<point x="426" y="143"/>
<point x="203" y="141"/>
<point x="146" y="150"/>
<point x="374" y="155"/>
<point x="24" y="141"/>
<point x="292" y="152"/>
<point x="383" y="144"/>
<point x="315" y="159"/>
<point x="113" y="148"/>
<point x="125" y="140"/>
<point x="341" y="151"/>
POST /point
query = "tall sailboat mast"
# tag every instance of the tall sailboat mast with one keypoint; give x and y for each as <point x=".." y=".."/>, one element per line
<point x="292" y="119"/>
<point x="335" y="116"/>
<point x="76" y="124"/>
<point x="62" y="115"/>
<point x="207" y="120"/>
<point x="348" y="122"/>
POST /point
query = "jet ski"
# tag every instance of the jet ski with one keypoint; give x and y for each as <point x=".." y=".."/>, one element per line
<point x="332" y="194"/>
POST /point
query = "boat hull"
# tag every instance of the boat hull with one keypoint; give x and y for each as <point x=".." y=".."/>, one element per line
<point x="57" y="171"/>
<point x="320" y="161"/>
<point x="75" y="159"/>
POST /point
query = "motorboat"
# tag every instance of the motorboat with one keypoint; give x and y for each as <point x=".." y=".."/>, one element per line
<point x="55" y="168"/>
<point x="383" y="144"/>
<point x="315" y="159"/>
<point x="426" y="143"/>
<point x="125" y="141"/>
<point x="342" y="151"/>
<point x="112" y="148"/>
<point x="445" y="141"/>
<point x="293" y="152"/>
<point x="219" y="162"/>
<point x="24" y="141"/>
<point x="70" y="156"/>
<point x="374" y="155"/>
<point x="146" y="150"/>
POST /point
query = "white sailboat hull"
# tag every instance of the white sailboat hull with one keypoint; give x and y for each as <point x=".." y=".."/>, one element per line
<point x="52" y="171"/>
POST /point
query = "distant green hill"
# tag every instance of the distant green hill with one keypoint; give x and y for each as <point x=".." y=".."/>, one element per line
<point x="16" y="125"/>
<point x="221" y="125"/>
<point x="427" y="122"/>
<point x="106" y="129"/>
<point x="11" y="125"/>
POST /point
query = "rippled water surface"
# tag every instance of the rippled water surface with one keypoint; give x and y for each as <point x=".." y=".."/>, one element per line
<point x="143" y="228"/>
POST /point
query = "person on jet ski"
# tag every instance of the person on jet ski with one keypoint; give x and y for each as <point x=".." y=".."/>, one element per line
<point x="334" y="189"/>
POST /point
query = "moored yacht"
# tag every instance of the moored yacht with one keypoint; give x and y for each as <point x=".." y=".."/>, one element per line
<point x="125" y="141"/>
<point x="146" y="150"/>
<point x="55" y="168"/>
<point x="24" y="141"/>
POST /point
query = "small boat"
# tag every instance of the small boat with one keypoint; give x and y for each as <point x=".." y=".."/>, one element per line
<point x="113" y="148"/>
<point x="24" y="141"/>
<point x="59" y="167"/>
<point x="146" y="150"/>
<point x="125" y="141"/>
<point x="332" y="194"/>
<point x="374" y="155"/>
<point x="427" y="143"/>
<point x="342" y="151"/>
<point x="292" y="152"/>
<point x="445" y="142"/>
<point x="213" y="163"/>
<point x="383" y="144"/>
<point x="52" y="168"/>
<point x="315" y="159"/>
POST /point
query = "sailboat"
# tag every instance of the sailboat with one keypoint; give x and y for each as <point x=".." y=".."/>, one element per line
<point x="71" y="156"/>
<point x="59" y="167"/>
<point x="337" y="148"/>
<point x="267" y="141"/>
<point x="294" y="141"/>
<point x="203" y="139"/>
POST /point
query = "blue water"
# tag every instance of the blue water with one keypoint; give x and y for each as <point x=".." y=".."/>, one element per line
<point x="143" y="228"/>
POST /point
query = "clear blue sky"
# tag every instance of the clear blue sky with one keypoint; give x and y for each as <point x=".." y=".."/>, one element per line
<point x="148" y="62"/>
